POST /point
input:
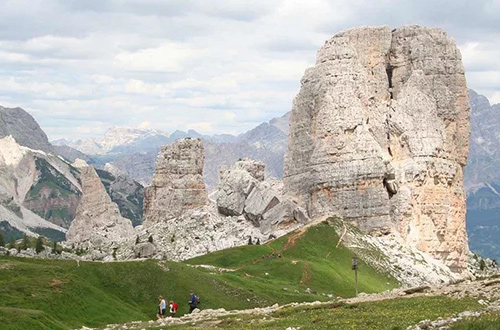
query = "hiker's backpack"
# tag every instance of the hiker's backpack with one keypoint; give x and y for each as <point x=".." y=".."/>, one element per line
<point x="197" y="299"/>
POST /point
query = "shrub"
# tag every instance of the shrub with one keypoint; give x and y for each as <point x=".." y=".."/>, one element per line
<point x="482" y="264"/>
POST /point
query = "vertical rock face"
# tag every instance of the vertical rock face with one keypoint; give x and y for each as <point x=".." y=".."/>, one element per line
<point x="177" y="183"/>
<point x="379" y="136"/>
<point x="98" y="220"/>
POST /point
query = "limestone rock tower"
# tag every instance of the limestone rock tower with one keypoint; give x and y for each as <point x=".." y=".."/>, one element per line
<point x="379" y="136"/>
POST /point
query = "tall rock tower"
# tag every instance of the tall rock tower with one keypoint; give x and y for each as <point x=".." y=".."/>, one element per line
<point x="379" y="136"/>
<point x="97" y="218"/>
<point x="178" y="183"/>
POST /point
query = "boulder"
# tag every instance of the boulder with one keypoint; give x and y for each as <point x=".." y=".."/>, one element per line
<point x="144" y="250"/>
<point x="236" y="184"/>
<point x="261" y="199"/>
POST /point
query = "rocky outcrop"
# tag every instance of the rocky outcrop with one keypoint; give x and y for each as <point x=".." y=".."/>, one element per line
<point x="98" y="220"/>
<point x="243" y="191"/>
<point x="177" y="183"/>
<point x="126" y="193"/>
<point x="236" y="184"/>
<point x="379" y="137"/>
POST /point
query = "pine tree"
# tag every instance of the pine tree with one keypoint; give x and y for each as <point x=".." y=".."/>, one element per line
<point x="54" y="248"/>
<point x="12" y="243"/>
<point x="2" y="239"/>
<point x="25" y="244"/>
<point x="258" y="241"/>
<point x="250" y="241"/>
<point x="150" y="239"/>
<point x="39" y="245"/>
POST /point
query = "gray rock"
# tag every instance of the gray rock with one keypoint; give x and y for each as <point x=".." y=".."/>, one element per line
<point x="98" y="221"/>
<point x="145" y="250"/>
<point x="126" y="193"/>
<point x="382" y="103"/>
<point x="236" y="184"/>
<point x="178" y="182"/>
<point x="261" y="200"/>
<point x="23" y="128"/>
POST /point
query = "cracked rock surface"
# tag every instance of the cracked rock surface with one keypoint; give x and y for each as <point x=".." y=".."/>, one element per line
<point x="379" y="137"/>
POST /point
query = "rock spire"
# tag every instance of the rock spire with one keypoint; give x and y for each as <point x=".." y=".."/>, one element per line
<point x="379" y="136"/>
<point x="178" y="183"/>
<point x="97" y="221"/>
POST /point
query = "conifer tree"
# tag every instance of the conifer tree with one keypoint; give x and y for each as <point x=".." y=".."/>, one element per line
<point x="39" y="245"/>
<point x="25" y="243"/>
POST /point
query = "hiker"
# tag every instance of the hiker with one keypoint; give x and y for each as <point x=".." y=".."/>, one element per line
<point x="173" y="308"/>
<point x="194" y="300"/>
<point x="162" y="307"/>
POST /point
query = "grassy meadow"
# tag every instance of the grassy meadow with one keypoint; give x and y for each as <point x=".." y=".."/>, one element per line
<point x="62" y="294"/>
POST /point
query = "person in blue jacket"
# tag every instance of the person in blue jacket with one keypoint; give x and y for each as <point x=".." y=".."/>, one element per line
<point x="193" y="301"/>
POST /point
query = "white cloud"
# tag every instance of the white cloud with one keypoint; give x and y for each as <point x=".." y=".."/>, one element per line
<point x="145" y="124"/>
<point x="218" y="66"/>
<point x="168" y="57"/>
<point x="495" y="98"/>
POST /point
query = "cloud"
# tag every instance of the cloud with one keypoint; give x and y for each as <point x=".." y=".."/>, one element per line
<point x="220" y="66"/>
<point x="168" y="57"/>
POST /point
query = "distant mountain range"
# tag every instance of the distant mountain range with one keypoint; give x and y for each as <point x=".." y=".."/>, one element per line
<point x="39" y="189"/>
<point x="133" y="151"/>
<point x="482" y="178"/>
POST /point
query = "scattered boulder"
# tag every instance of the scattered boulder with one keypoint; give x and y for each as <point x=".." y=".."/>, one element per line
<point x="144" y="250"/>
<point x="236" y="184"/>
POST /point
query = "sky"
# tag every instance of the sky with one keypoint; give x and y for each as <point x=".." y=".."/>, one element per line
<point x="83" y="66"/>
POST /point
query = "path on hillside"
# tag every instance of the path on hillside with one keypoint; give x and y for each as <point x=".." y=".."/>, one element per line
<point x="487" y="291"/>
<point x="290" y="243"/>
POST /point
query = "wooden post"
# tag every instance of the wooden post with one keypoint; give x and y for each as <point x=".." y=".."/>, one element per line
<point x="355" y="268"/>
<point x="356" y="277"/>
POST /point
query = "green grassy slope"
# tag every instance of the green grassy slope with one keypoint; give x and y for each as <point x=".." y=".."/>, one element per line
<point x="58" y="294"/>
<point x="297" y="262"/>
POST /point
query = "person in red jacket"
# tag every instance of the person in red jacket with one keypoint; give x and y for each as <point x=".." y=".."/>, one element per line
<point x="173" y="308"/>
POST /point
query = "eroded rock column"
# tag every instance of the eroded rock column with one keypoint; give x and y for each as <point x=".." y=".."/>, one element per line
<point x="178" y="183"/>
<point x="379" y="136"/>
